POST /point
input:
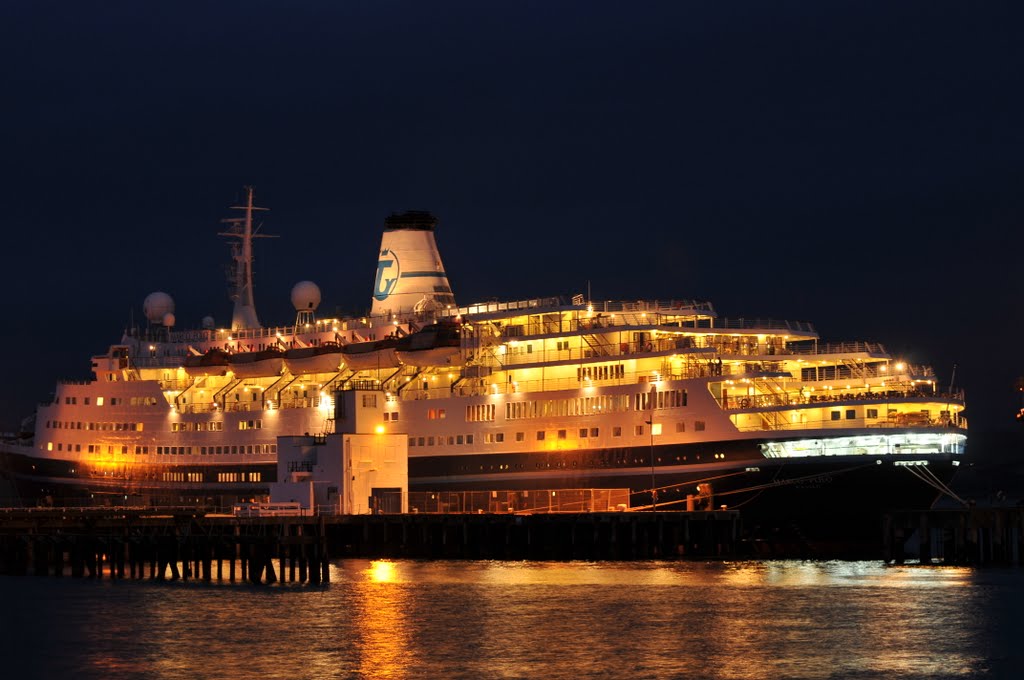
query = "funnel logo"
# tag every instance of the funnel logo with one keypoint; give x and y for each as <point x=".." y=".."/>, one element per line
<point x="388" y="271"/>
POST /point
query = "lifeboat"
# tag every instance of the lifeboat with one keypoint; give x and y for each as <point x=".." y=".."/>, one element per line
<point x="265" y="363"/>
<point x="214" y="362"/>
<point x="364" y="356"/>
<point x="326" y="357"/>
<point x="434" y="345"/>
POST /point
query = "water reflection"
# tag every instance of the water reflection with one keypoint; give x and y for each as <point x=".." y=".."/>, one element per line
<point x="515" y="619"/>
<point x="379" y="609"/>
<point x="383" y="572"/>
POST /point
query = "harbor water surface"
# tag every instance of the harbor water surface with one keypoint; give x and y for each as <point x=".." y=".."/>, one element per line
<point x="444" y="619"/>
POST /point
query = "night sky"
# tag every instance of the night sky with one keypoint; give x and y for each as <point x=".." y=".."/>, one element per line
<point x="859" y="165"/>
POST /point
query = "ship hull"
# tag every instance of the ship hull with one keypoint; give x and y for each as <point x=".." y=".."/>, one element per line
<point x="838" y="499"/>
<point x="735" y="473"/>
<point x="33" y="481"/>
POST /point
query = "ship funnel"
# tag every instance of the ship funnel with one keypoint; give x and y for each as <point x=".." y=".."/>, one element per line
<point x="410" y="276"/>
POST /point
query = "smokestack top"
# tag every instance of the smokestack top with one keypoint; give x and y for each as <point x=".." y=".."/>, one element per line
<point x="418" y="220"/>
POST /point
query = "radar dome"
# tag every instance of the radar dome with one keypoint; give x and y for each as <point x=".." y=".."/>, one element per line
<point x="305" y="295"/>
<point x="208" y="322"/>
<point x="156" y="305"/>
<point x="168" y="319"/>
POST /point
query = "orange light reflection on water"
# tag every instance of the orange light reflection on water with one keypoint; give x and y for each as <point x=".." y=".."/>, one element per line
<point x="380" y="608"/>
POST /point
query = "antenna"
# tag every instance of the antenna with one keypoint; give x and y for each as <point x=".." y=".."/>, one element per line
<point x="241" y="291"/>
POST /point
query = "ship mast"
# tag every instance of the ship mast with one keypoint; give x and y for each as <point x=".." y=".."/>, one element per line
<point x="241" y="291"/>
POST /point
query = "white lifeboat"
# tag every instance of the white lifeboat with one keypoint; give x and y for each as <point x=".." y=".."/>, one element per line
<point x="326" y="357"/>
<point x="214" y="362"/>
<point x="434" y="345"/>
<point x="261" y="364"/>
<point x="365" y="356"/>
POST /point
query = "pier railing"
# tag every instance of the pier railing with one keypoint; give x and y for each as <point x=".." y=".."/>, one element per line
<point x="536" y="501"/>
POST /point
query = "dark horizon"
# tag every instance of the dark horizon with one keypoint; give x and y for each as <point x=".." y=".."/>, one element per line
<point x="853" y="166"/>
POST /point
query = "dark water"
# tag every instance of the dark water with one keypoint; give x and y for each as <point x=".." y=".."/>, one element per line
<point x="528" y="620"/>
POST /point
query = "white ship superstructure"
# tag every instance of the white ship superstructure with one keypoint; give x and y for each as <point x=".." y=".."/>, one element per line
<point x="530" y="394"/>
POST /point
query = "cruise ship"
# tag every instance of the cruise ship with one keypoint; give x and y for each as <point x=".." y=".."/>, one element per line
<point x="685" y="408"/>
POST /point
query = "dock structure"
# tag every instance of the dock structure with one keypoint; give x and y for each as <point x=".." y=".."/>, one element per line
<point x="964" y="536"/>
<point x="125" y="543"/>
<point x="163" y="545"/>
<point x="542" y="536"/>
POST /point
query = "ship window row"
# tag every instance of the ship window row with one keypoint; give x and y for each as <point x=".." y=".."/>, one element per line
<point x="239" y="476"/>
<point x="543" y="435"/>
<point x="450" y="440"/>
<point x="480" y="412"/>
<point x="604" y="403"/>
<point x="250" y="424"/>
<point x="182" y="476"/>
<point x="436" y="414"/>
<point x="221" y="477"/>
<point x="211" y="426"/>
<point x="923" y="416"/>
<point x="391" y="416"/>
<point x="611" y="372"/>
<point x="123" y="449"/>
<point x="115" y="401"/>
<point x="106" y="427"/>
<point x="606" y="459"/>
<point x="578" y="406"/>
<point x="665" y="399"/>
<point x="254" y="449"/>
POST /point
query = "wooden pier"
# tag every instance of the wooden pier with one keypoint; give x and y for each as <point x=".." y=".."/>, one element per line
<point x="185" y="544"/>
<point x="556" y="536"/>
<point x="968" y="536"/>
<point x="140" y="544"/>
